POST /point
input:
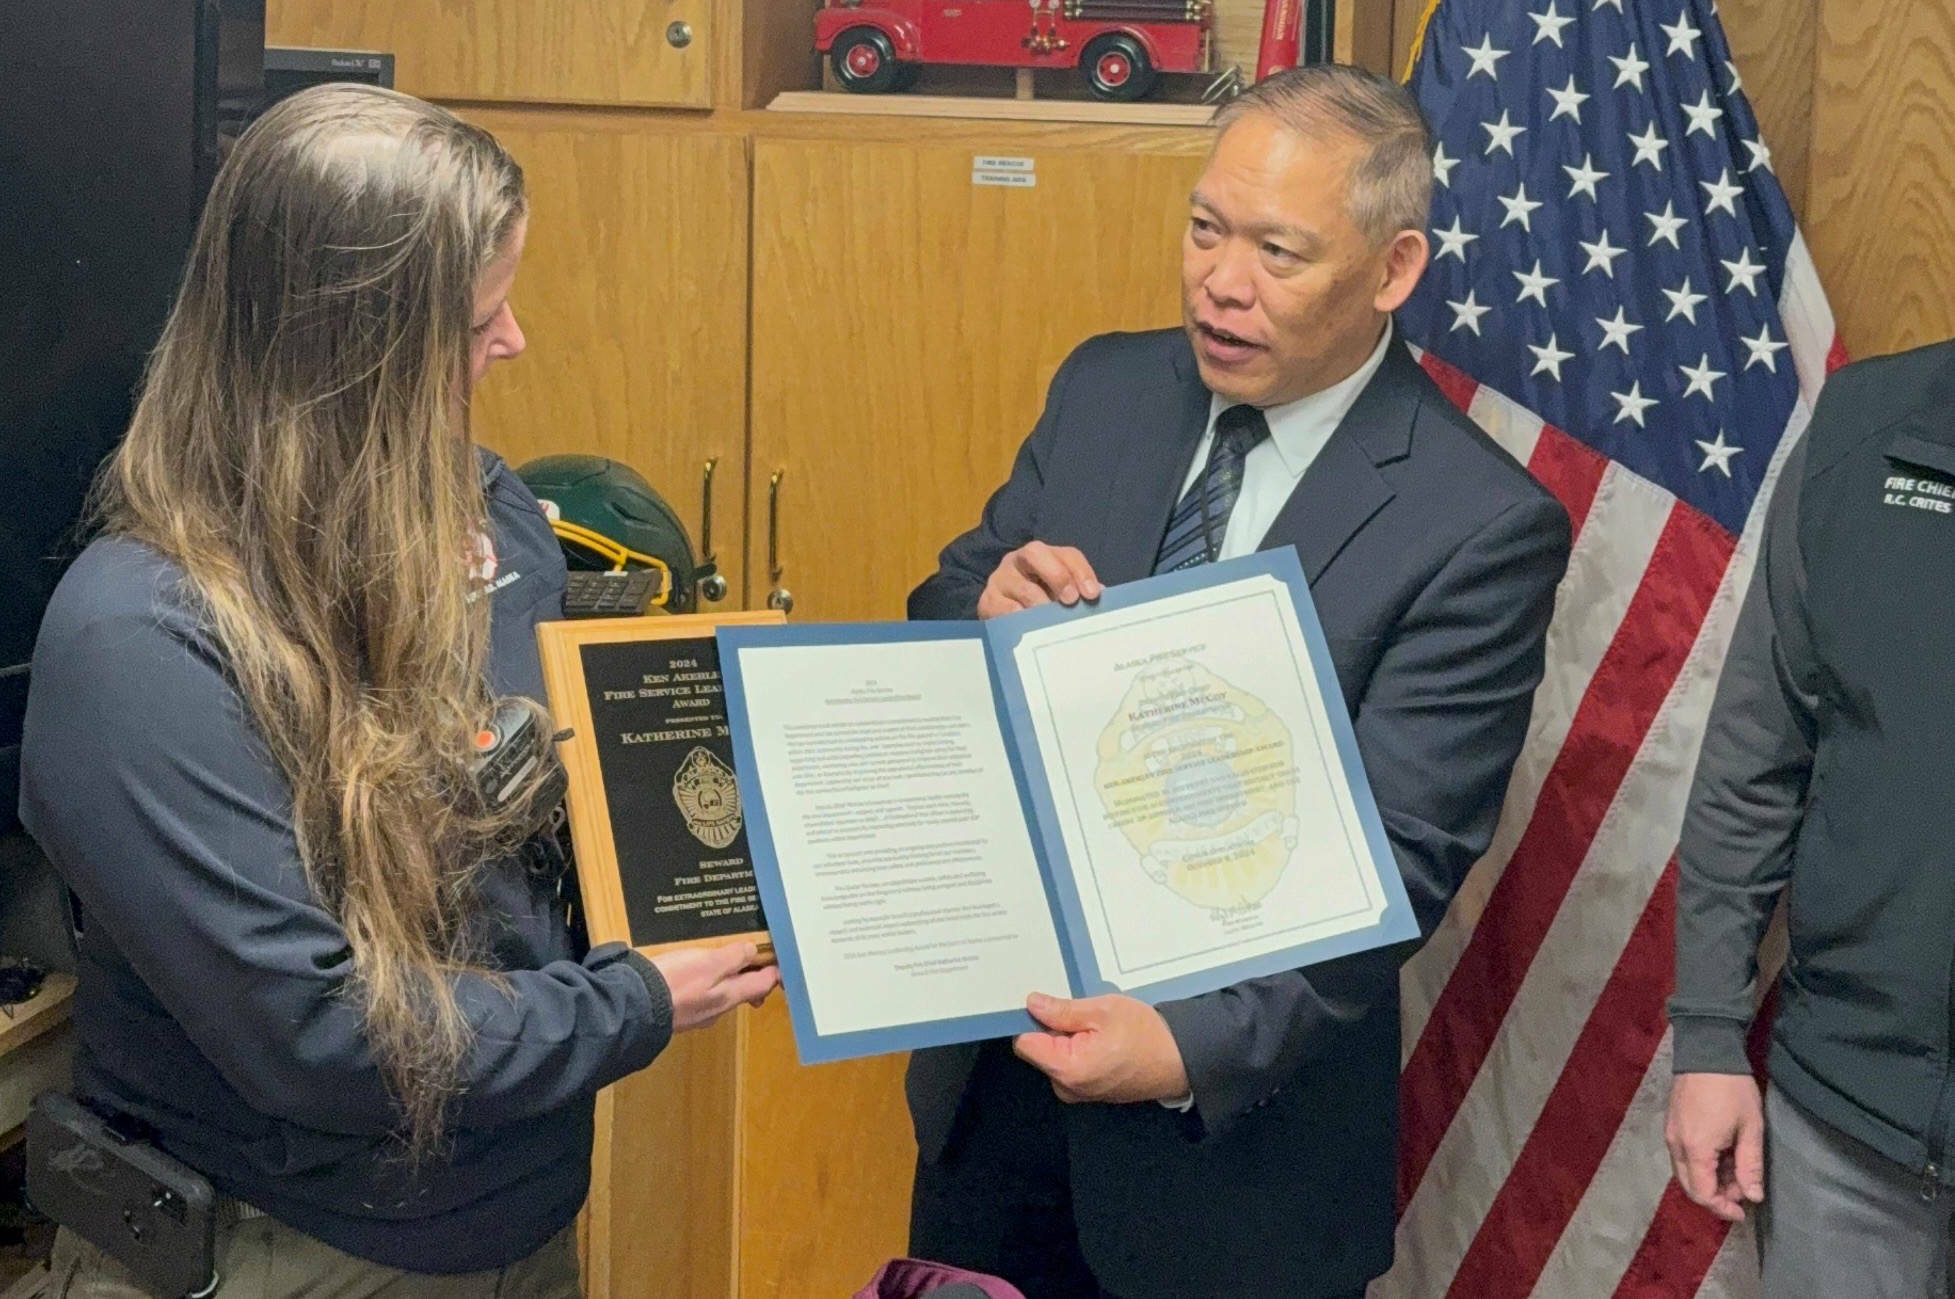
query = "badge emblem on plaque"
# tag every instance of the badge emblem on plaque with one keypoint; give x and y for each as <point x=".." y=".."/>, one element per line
<point x="708" y="798"/>
<point x="1200" y="778"/>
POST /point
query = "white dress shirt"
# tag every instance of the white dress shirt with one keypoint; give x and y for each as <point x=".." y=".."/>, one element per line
<point x="1298" y="430"/>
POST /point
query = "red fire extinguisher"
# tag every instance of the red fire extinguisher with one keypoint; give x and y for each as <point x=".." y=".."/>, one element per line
<point x="1282" y="37"/>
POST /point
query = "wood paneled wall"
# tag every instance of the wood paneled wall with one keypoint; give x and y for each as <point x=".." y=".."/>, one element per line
<point x="632" y="293"/>
<point x="1880" y="211"/>
<point x="1857" y="101"/>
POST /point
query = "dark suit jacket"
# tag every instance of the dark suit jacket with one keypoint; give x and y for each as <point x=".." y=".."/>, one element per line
<point x="1433" y="559"/>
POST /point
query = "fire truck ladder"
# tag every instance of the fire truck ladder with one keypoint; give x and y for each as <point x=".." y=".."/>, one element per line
<point x="1144" y="11"/>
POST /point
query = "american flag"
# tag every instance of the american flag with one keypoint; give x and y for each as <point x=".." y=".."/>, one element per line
<point x="1620" y="296"/>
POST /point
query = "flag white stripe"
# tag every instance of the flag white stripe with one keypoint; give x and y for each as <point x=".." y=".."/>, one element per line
<point x="1507" y="422"/>
<point x="1808" y="319"/>
<point x="1604" y="571"/>
<point x="1516" y="428"/>
<point x="1734" y="1273"/>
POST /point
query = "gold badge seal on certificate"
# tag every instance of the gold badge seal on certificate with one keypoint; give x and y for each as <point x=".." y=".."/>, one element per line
<point x="708" y="798"/>
<point x="1199" y="776"/>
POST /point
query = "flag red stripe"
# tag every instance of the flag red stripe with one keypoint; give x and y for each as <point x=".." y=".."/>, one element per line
<point x="1837" y="357"/>
<point x="1758" y="1039"/>
<point x="1622" y="700"/>
<point x="1683" y="1239"/>
<point x="1569" y="468"/>
<point x="1677" y="1251"/>
<point x="1583" y="1113"/>
<point x="1458" y="385"/>
<point x="1566" y="466"/>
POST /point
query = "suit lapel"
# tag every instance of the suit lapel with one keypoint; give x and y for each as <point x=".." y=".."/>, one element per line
<point x="1343" y="489"/>
<point x="1169" y="416"/>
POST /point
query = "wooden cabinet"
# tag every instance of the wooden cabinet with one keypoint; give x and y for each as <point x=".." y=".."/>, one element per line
<point x="906" y="322"/>
<point x="661" y="1220"/>
<point x="632" y="294"/>
<point x="655" y="53"/>
<point x="728" y="1171"/>
<point x="826" y="1158"/>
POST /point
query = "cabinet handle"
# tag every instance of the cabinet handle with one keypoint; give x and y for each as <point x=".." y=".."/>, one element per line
<point x="712" y="583"/>
<point x="679" y="35"/>
<point x="780" y="597"/>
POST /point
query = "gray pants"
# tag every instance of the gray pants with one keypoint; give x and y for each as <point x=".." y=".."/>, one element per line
<point x="264" y="1259"/>
<point x="1840" y="1220"/>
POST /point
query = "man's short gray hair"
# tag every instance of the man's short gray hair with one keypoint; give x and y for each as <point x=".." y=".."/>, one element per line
<point x="1391" y="187"/>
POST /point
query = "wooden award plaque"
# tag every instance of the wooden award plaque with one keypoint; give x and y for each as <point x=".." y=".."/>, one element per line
<point x="655" y="814"/>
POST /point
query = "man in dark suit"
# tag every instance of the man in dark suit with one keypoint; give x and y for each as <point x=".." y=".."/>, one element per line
<point x="1242" y="1145"/>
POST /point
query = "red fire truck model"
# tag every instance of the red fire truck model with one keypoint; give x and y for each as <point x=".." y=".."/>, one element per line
<point x="1120" y="45"/>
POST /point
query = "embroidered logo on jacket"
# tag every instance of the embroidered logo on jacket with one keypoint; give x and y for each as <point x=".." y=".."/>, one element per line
<point x="1929" y="494"/>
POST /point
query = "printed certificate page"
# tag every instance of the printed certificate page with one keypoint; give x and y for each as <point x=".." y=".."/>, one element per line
<point x="1196" y="783"/>
<point x="902" y="845"/>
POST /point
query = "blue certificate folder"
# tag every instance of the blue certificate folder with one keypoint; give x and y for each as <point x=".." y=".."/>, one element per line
<point x="1070" y="894"/>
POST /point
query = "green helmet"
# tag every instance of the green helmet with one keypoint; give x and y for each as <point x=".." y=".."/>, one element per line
<point x="606" y="516"/>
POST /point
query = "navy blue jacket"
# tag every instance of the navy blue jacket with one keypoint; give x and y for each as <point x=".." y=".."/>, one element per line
<point x="1433" y="561"/>
<point x="212" y="983"/>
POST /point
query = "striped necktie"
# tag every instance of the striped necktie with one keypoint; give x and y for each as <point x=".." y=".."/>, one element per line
<point x="1194" y="534"/>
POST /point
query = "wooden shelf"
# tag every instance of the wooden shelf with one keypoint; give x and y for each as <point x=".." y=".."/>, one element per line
<point x="966" y="107"/>
<point x="35" y="1051"/>
<point x="46" y="1009"/>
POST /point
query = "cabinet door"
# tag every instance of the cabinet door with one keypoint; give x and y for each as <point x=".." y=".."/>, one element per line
<point x="565" y="51"/>
<point x="906" y="323"/>
<point x="825" y="1158"/>
<point x="632" y="294"/>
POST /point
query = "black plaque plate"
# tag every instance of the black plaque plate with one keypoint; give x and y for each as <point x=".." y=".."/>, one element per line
<point x="658" y="715"/>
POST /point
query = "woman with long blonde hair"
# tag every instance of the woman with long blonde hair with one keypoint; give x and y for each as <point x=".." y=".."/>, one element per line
<point x="321" y="964"/>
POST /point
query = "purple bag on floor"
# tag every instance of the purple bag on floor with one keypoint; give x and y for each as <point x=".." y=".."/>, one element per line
<point x="910" y="1278"/>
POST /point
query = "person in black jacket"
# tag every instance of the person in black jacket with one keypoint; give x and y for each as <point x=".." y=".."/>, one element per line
<point x="314" y="956"/>
<point x="1828" y="770"/>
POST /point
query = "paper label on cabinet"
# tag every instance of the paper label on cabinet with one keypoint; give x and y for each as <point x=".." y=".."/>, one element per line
<point x="1011" y="173"/>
